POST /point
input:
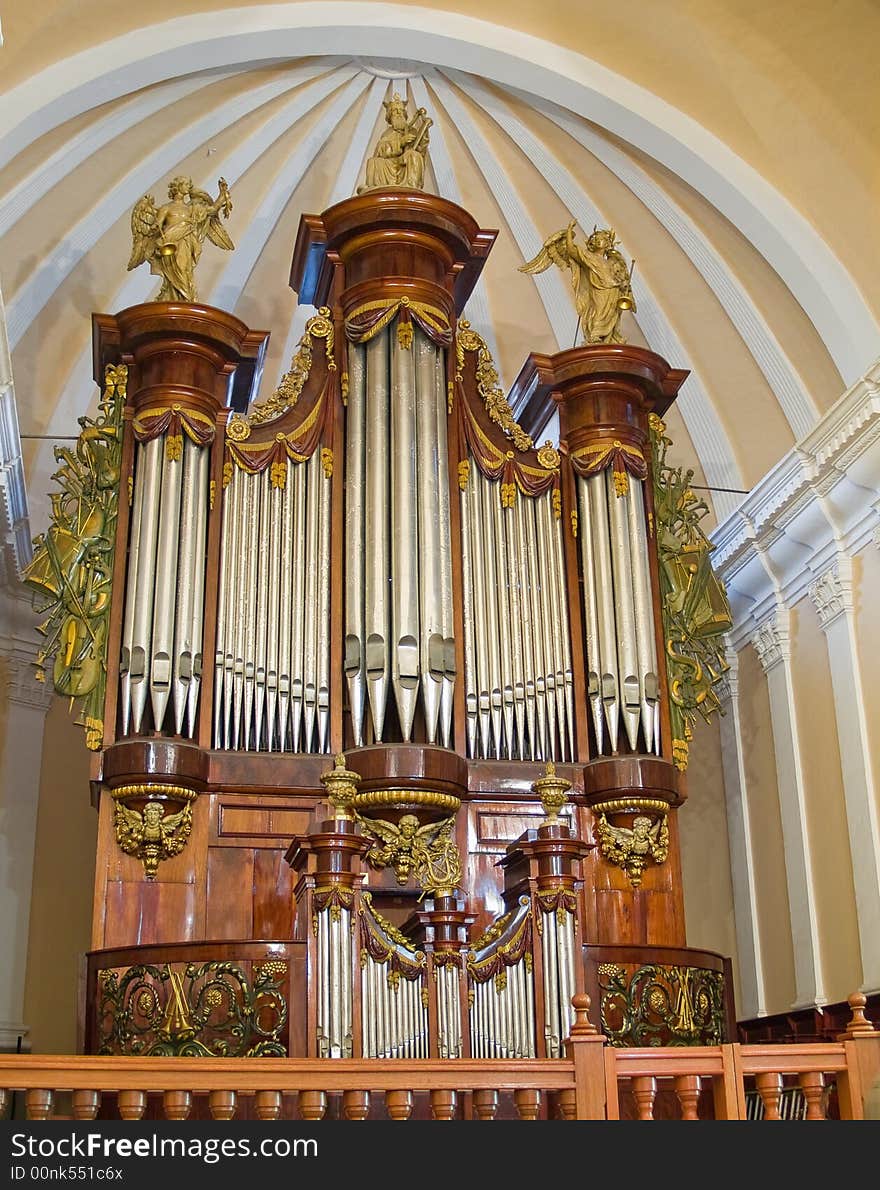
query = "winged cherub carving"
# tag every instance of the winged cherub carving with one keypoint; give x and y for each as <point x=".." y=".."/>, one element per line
<point x="602" y="282"/>
<point x="632" y="849"/>
<point x="153" y="835"/>
<point x="170" y="237"/>
<point x="427" y="852"/>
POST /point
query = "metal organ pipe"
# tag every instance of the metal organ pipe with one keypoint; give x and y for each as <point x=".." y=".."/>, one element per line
<point x="354" y="657"/>
<point x="429" y="576"/>
<point x="405" y="500"/>
<point x="376" y="550"/>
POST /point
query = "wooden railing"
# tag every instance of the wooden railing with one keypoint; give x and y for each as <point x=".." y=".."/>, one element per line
<point x="592" y="1082"/>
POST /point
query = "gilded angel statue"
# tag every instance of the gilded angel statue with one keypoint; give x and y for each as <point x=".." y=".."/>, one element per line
<point x="170" y="237"/>
<point x="153" y="835"/>
<point x="427" y="852"/>
<point x="602" y="282"/>
<point x="632" y="849"/>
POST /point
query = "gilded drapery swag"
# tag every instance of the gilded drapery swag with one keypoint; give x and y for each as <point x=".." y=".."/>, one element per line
<point x="173" y="423"/>
<point x="467" y="340"/>
<point x="298" y="446"/>
<point x="624" y="458"/>
<point x="72" y="566"/>
<point x="367" y="320"/>
<point x="289" y="390"/>
<point x="532" y="477"/>
<point x="383" y="943"/>
<point x="503" y="945"/>
<point x="696" y="613"/>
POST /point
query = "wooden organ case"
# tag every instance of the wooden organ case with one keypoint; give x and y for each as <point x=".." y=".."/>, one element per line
<point x="389" y="763"/>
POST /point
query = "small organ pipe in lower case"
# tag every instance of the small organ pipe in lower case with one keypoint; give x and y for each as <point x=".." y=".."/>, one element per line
<point x="272" y="659"/>
<point x="557" y="952"/>
<point x="334" y="1007"/>
<point x="519" y="694"/>
<point x="621" y="648"/>
<point x="394" y="1020"/>
<point x="448" y="1011"/>
<point x="161" y="657"/>
<point x="502" y="1014"/>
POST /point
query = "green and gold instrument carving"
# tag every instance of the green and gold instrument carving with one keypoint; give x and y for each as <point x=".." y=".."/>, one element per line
<point x="659" y="1005"/>
<point x="72" y="567"/>
<point x="696" y="613"/>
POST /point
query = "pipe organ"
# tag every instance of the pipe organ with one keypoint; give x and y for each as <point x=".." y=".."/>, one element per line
<point x="388" y="678"/>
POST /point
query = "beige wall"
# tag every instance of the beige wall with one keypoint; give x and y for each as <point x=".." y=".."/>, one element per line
<point x="866" y="595"/>
<point x="825" y="806"/>
<point x="64" y="877"/>
<point x="705" y="855"/>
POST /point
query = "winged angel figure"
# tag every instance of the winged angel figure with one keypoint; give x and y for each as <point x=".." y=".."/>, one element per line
<point x="631" y="849"/>
<point x="153" y="835"/>
<point x="602" y="282"/>
<point x="428" y="852"/>
<point x="170" y="237"/>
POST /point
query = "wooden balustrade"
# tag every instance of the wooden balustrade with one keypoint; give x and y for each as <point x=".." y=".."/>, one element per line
<point x="594" y="1081"/>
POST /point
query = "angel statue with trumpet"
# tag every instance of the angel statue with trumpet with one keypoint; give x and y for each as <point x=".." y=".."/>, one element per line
<point x="170" y="237"/>
<point x="602" y="282"/>
<point x="399" y="156"/>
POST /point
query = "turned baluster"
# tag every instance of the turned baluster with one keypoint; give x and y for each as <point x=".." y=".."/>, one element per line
<point x="566" y="1104"/>
<point x="38" y="1104"/>
<point x="528" y="1103"/>
<point x="4" y="1100"/>
<point x="267" y="1105"/>
<point x="222" y="1104"/>
<point x="86" y="1104"/>
<point x="644" y="1089"/>
<point x="770" y="1089"/>
<point x="399" y="1104"/>
<point x="131" y="1104"/>
<point x="858" y="1024"/>
<point x="812" y="1084"/>
<point x="355" y="1104"/>
<point x="177" y="1104"/>
<point x="687" y="1088"/>
<point x="444" y="1104"/>
<point x="485" y="1104"/>
<point x="313" y="1105"/>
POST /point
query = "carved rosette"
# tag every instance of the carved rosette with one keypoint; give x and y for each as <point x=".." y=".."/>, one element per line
<point x="638" y="836"/>
<point x="153" y="821"/>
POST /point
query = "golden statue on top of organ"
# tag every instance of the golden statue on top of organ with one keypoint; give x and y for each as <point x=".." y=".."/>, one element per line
<point x="503" y="646"/>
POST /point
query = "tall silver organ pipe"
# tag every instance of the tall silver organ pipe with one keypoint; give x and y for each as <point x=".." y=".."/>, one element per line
<point x="272" y="658"/>
<point x="161" y="655"/>
<point x="398" y="590"/>
<point x="621" y="647"/>
<point x="519" y="695"/>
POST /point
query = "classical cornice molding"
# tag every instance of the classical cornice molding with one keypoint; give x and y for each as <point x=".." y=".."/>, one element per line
<point x="772" y="641"/>
<point x="817" y="507"/>
<point x="832" y="592"/>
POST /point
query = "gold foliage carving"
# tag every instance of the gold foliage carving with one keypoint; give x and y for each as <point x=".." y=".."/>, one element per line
<point x="151" y="833"/>
<point x="290" y="387"/>
<point x="696" y="613"/>
<point x="72" y="568"/>
<point x="491" y="393"/>
<point x="632" y="848"/>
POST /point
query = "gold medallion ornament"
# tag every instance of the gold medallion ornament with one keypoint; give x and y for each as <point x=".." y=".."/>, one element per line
<point x="72" y="567"/>
<point x="695" y="610"/>
<point x="599" y="274"/>
<point x="170" y="238"/>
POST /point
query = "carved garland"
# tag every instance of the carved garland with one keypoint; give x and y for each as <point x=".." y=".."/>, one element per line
<point x="72" y="567"/>
<point x="696" y="613"/>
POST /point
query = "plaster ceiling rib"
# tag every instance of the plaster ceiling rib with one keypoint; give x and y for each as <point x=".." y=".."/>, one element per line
<point x="556" y="299"/>
<point x="710" y="440"/>
<point x="36" y="292"/>
<point x="343" y="187"/>
<point x="78" y="392"/>
<point x="90" y="140"/>
<point x="230" y="285"/>
<point x="780" y="373"/>
<point x="477" y="310"/>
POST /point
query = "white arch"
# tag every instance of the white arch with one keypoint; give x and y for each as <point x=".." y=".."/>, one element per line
<point x="268" y="32"/>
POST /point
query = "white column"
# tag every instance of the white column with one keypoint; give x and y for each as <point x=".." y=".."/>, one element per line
<point x="742" y="868"/>
<point x="832" y="595"/>
<point x="772" y="642"/>
<point x="20" y="761"/>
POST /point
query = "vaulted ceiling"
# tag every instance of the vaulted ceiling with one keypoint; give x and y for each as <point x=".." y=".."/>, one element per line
<point x="734" y="150"/>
